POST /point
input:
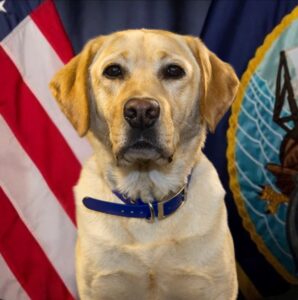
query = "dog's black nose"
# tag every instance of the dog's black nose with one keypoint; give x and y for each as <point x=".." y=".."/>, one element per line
<point x="141" y="113"/>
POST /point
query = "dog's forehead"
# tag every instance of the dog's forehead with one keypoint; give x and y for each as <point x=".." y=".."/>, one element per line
<point x="154" y="44"/>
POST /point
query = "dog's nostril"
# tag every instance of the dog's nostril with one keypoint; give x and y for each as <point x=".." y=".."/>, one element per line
<point x="131" y="113"/>
<point x="152" y="113"/>
<point x="141" y="113"/>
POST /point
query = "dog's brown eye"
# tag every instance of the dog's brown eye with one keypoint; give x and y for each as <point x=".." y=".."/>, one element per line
<point x="113" y="71"/>
<point x="173" y="72"/>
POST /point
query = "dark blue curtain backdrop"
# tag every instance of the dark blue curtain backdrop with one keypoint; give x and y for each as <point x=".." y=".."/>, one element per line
<point x="84" y="19"/>
<point x="233" y="29"/>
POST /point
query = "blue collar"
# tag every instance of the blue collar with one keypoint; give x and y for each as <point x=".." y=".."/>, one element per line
<point x="137" y="208"/>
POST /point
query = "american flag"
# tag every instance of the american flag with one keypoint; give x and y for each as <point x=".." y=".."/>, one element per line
<point x="40" y="156"/>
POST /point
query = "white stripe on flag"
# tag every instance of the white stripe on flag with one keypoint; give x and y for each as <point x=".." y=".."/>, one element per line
<point x="37" y="206"/>
<point x="10" y="288"/>
<point x="38" y="62"/>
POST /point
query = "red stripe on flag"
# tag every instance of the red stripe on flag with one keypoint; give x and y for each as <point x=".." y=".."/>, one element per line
<point x="38" y="135"/>
<point x="25" y="258"/>
<point x="49" y="23"/>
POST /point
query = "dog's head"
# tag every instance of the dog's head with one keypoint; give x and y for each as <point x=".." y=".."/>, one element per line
<point x="143" y="93"/>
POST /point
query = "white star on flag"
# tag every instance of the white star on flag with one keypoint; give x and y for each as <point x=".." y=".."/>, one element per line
<point x="2" y="8"/>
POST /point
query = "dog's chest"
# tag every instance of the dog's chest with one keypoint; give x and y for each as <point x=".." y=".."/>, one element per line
<point x="144" y="246"/>
<point x="162" y="266"/>
<point x="176" y="258"/>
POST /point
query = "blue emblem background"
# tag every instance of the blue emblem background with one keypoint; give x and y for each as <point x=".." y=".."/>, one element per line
<point x="257" y="143"/>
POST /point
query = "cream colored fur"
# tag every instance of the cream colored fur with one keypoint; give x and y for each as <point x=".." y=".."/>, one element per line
<point x="190" y="254"/>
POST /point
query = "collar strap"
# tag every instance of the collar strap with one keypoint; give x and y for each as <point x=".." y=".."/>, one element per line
<point x="141" y="210"/>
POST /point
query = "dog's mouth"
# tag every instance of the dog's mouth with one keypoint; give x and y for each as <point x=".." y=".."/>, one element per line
<point x="143" y="145"/>
<point x="142" y="151"/>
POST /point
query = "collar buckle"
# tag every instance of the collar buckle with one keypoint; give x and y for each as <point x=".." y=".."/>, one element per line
<point x="152" y="214"/>
<point x="160" y="212"/>
<point x="160" y="206"/>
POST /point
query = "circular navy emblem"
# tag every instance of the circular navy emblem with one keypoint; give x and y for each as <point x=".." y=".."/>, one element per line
<point x="263" y="147"/>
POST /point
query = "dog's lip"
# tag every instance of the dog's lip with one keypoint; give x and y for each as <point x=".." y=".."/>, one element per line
<point x="142" y="144"/>
<point x="143" y="153"/>
<point x="139" y="148"/>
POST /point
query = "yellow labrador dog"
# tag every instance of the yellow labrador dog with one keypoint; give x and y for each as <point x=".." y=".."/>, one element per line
<point x="152" y="223"/>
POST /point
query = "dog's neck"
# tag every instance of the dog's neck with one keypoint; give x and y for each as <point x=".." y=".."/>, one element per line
<point x="147" y="182"/>
<point x="150" y="184"/>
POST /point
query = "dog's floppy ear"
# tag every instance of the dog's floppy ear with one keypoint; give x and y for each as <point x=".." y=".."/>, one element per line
<point x="219" y="83"/>
<point x="70" y="87"/>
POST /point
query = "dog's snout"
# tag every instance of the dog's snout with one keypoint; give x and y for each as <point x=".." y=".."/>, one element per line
<point x="141" y="113"/>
